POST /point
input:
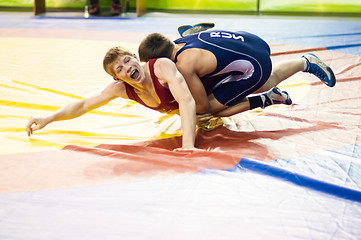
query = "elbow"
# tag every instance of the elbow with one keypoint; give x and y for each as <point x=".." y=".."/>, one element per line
<point x="189" y="102"/>
<point x="83" y="107"/>
<point x="192" y="103"/>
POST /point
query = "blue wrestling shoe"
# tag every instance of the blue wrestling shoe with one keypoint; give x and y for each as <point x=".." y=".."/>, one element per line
<point x="276" y="96"/>
<point x="196" y="28"/>
<point x="318" y="68"/>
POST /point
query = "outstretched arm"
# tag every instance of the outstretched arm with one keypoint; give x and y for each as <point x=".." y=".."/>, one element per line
<point x="167" y="72"/>
<point x="75" y="109"/>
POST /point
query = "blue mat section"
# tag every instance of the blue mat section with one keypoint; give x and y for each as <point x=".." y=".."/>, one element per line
<point x="340" y="166"/>
<point x="253" y="200"/>
<point x="341" y="35"/>
<point x="299" y="179"/>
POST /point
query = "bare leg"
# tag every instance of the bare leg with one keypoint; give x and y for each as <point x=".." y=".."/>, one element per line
<point x="273" y="96"/>
<point x="215" y="105"/>
<point x="242" y="106"/>
<point x="211" y="121"/>
<point x="220" y="110"/>
<point x="281" y="71"/>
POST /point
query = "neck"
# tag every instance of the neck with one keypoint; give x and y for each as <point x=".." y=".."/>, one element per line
<point x="147" y="83"/>
<point x="175" y="50"/>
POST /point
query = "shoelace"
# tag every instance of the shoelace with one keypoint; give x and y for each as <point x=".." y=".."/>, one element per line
<point x="316" y="70"/>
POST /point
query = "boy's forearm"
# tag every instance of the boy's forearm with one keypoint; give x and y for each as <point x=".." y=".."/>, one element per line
<point x="188" y="117"/>
<point x="69" y="111"/>
<point x="197" y="90"/>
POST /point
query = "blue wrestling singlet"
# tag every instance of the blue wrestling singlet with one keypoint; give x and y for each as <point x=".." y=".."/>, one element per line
<point x="243" y="63"/>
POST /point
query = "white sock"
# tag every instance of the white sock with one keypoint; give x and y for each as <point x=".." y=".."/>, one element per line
<point x="304" y="64"/>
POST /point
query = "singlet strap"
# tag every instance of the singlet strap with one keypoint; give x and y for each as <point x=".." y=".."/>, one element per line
<point x="167" y="101"/>
<point x="180" y="40"/>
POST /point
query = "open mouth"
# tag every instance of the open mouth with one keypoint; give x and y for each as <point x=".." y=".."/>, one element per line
<point x="135" y="74"/>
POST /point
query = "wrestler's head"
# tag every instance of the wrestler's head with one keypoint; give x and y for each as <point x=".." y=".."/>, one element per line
<point x="123" y="65"/>
<point x="155" y="45"/>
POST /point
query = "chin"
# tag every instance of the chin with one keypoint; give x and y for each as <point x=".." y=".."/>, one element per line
<point x="140" y="79"/>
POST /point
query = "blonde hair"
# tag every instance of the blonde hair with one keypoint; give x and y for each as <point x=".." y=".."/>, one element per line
<point x="113" y="54"/>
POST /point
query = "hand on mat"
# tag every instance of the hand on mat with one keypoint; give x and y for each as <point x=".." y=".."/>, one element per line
<point x="187" y="149"/>
<point x="35" y="124"/>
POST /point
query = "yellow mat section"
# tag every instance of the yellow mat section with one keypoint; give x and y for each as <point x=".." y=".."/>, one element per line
<point x="40" y="75"/>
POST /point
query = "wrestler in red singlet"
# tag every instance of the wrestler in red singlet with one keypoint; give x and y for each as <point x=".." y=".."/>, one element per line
<point x="167" y="101"/>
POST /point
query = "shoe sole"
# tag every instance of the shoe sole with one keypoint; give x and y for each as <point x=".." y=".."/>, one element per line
<point x="184" y="28"/>
<point x="205" y="25"/>
<point x="333" y="78"/>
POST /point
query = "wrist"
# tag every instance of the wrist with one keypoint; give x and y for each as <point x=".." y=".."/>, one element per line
<point x="188" y="144"/>
<point x="49" y="119"/>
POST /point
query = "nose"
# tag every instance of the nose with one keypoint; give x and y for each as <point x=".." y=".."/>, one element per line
<point x="128" y="68"/>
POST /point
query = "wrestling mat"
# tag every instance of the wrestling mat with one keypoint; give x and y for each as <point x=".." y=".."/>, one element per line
<point x="284" y="172"/>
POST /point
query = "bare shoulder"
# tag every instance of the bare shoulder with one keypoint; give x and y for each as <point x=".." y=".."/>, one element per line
<point x="190" y="55"/>
<point x="164" y="67"/>
<point x="196" y="61"/>
<point x="115" y="89"/>
<point x="162" y="63"/>
<point x="188" y="60"/>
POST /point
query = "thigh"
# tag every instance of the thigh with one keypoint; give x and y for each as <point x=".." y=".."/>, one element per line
<point x="232" y="89"/>
<point x="215" y="104"/>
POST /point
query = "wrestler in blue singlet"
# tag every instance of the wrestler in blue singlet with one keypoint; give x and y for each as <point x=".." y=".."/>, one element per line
<point x="243" y="63"/>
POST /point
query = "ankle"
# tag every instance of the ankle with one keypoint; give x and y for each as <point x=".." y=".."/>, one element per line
<point x="305" y="64"/>
<point x="260" y="100"/>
